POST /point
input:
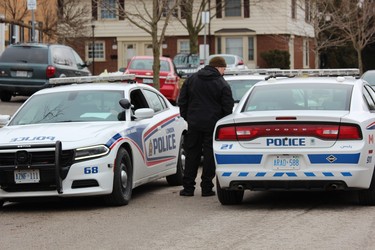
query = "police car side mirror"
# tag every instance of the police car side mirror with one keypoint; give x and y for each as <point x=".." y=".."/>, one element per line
<point x="125" y="103"/>
<point x="144" y="113"/>
<point x="4" y="119"/>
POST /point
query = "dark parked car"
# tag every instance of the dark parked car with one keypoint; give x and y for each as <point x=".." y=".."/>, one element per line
<point x="27" y="68"/>
<point x="187" y="64"/>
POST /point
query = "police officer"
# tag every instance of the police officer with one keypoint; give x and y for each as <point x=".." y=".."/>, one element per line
<point x="205" y="97"/>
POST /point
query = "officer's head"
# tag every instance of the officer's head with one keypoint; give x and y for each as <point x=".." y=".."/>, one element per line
<point x="219" y="63"/>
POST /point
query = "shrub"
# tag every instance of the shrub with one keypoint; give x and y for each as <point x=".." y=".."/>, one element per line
<point x="276" y="59"/>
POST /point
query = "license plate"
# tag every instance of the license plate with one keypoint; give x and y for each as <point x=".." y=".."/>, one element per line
<point x="21" y="73"/>
<point x="26" y="176"/>
<point x="148" y="81"/>
<point x="286" y="162"/>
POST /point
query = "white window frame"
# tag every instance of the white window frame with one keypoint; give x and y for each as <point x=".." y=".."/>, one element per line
<point x="306" y="53"/>
<point x="181" y="48"/>
<point x="98" y="44"/>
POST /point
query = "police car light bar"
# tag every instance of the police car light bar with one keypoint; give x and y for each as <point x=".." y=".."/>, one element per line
<point x="91" y="79"/>
<point x="296" y="72"/>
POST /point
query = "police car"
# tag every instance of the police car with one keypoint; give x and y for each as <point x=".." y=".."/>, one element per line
<point x="90" y="139"/>
<point x="315" y="132"/>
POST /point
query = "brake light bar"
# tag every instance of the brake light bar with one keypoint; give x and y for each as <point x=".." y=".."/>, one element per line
<point x="321" y="131"/>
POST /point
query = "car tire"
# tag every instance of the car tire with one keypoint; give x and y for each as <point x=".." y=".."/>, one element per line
<point x="5" y="96"/>
<point x="229" y="197"/>
<point x="122" y="180"/>
<point x="367" y="197"/>
<point x="176" y="179"/>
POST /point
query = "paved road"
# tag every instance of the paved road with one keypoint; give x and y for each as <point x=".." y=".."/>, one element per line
<point x="158" y="218"/>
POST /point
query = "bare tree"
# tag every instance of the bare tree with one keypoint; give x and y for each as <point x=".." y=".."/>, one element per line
<point x="355" y="20"/>
<point x="61" y="22"/>
<point x="70" y="23"/>
<point x="153" y="19"/>
<point x="325" y="33"/>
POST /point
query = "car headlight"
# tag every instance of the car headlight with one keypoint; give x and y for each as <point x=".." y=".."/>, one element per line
<point x="91" y="152"/>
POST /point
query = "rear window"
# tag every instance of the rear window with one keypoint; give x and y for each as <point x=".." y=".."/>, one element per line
<point x="146" y="64"/>
<point x="25" y="54"/>
<point x="299" y="97"/>
<point x="240" y="87"/>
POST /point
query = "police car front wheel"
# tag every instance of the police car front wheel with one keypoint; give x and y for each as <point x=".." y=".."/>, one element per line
<point x="122" y="181"/>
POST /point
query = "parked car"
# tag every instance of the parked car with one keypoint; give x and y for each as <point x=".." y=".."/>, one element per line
<point x="369" y="76"/>
<point x="27" y="68"/>
<point x="233" y="61"/>
<point x="300" y="133"/>
<point x="101" y="139"/>
<point x="187" y="64"/>
<point x="241" y="83"/>
<point x="141" y="66"/>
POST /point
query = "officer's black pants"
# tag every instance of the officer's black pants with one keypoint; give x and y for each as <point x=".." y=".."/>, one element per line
<point x="195" y="143"/>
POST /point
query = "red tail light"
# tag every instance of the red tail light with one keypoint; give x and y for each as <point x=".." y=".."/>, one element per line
<point x="321" y="131"/>
<point x="50" y="71"/>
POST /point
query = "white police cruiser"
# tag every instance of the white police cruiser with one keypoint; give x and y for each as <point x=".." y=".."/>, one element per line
<point x="90" y="139"/>
<point x="300" y="133"/>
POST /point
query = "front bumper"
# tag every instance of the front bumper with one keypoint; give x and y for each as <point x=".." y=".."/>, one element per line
<point x="59" y="175"/>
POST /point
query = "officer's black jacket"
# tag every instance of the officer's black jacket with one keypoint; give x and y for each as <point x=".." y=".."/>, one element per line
<point x="205" y="97"/>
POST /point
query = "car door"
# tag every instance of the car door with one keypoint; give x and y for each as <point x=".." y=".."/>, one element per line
<point x="159" y="139"/>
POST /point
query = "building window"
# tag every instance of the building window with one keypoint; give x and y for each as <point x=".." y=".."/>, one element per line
<point x="108" y="9"/>
<point x="219" y="45"/>
<point x="251" y="48"/>
<point x="306" y="54"/>
<point x="294" y="9"/>
<point x="168" y="7"/>
<point x="99" y="50"/>
<point x="234" y="46"/>
<point x="307" y="11"/>
<point x="232" y="8"/>
<point x="184" y="46"/>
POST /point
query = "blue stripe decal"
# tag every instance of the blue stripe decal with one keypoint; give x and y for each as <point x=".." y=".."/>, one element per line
<point x="288" y="174"/>
<point x="238" y="159"/>
<point x="310" y="174"/>
<point x="291" y="174"/>
<point x="340" y="158"/>
<point x="346" y="174"/>
<point x="243" y="174"/>
<point x="329" y="174"/>
<point x="260" y="174"/>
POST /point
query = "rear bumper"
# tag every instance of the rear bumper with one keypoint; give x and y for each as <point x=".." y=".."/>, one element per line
<point x="308" y="177"/>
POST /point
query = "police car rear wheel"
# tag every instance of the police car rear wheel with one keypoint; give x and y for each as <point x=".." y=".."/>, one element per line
<point x="123" y="180"/>
<point x="176" y="179"/>
<point x="228" y="197"/>
<point x="367" y="197"/>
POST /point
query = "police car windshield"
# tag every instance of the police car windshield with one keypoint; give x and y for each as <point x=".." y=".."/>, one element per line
<point x="299" y="97"/>
<point x="70" y="106"/>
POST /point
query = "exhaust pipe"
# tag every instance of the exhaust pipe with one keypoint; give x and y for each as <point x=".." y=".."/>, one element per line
<point x="240" y="187"/>
<point x="333" y="186"/>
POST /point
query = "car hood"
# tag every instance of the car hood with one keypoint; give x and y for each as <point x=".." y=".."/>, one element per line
<point x="71" y="135"/>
